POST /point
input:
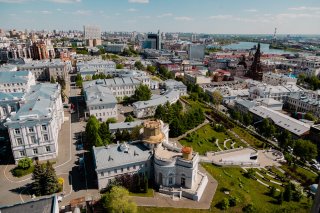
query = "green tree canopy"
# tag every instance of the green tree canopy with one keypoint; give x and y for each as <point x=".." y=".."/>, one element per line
<point x="52" y="80"/>
<point x="305" y="149"/>
<point x="119" y="66"/>
<point x="104" y="133"/>
<point x="92" y="132"/>
<point x="151" y="69"/>
<point x="25" y="163"/>
<point x="139" y="65"/>
<point x="79" y="80"/>
<point x="129" y="119"/>
<point x="142" y="93"/>
<point x="118" y="200"/>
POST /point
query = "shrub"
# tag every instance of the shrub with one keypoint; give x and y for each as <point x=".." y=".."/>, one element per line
<point x="24" y="163"/>
<point x="233" y="201"/>
<point x="249" y="208"/>
<point x="224" y="204"/>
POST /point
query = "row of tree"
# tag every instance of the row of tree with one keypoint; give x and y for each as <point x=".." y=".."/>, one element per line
<point x="179" y="121"/>
<point x="136" y="182"/>
<point x="313" y="81"/>
<point x="97" y="134"/>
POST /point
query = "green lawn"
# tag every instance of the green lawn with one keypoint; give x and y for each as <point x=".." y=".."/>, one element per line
<point x="247" y="190"/>
<point x="248" y="137"/>
<point x="203" y="140"/>
<point x="148" y="194"/>
<point x="305" y="177"/>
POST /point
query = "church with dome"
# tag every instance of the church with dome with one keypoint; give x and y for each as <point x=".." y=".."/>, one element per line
<point x="173" y="169"/>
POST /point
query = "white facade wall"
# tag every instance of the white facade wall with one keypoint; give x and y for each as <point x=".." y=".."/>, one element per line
<point x="9" y="87"/>
<point x="103" y="112"/>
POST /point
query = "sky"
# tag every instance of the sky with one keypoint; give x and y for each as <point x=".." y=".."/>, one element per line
<point x="198" y="16"/>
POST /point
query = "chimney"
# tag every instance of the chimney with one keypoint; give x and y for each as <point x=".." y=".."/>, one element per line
<point x="186" y="153"/>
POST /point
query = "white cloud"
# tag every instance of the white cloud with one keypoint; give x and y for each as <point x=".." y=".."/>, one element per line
<point x="221" y="17"/>
<point x="132" y="10"/>
<point x="12" y="1"/>
<point x="183" y="18"/>
<point x="65" y="1"/>
<point x="139" y="1"/>
<point x="165" y="15"/>
<point x="82" y="12"/>
<point x="45" y="12"/>
<point x="303" y="8"/>
<point x="296" y="15"/>
<point x="59" y="9"/>
<point x="251" y="10"/>
<point x="145" y="17"/>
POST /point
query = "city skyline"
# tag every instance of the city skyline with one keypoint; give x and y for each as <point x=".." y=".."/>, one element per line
<point x="214" y="17"/>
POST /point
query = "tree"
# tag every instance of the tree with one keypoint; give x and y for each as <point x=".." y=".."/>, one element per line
<point x="119" y="66"/>
<point x="151" y="69"/>
<point x="88" y="78"/>
<point x="125" y="135"/>
<point x="37" y="177"/>
<point x="118" y="135"/>
<point x="233" y="201"/>
<point x="287" y="195"/>
<point x="129" y="119"/>
<point x="135" y="133"/>
<point x="142" y="93"/>
<point x="111" y="120"/>
<point x="250" y="173"/>
<point x="79" y="80"/>
<point x="118" y="200"/>
<point x="139" y="65"/>
<point x="51" y="180"/>
<point x="25" y="163"/>
<point x="104" y="133"/>
<point x="310" y="117"/>
<point x="272" y="191"/>
<point x="247" y="119"/>
<point x="280" y="198"/>
<point x="224" y="204"/>
<point x="284" y="138"/>
<point x="52" y="80"/>
<point x="249" y="209"/>
<point x="217" y="98"/>
<point x="92" y="134"/>
<point x="305" y="149"/>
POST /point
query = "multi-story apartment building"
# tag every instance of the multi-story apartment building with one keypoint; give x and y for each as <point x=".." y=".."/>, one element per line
<point x="44" y="70"/>
<point x="16" y="82"/>
<point x="34" y="128"/>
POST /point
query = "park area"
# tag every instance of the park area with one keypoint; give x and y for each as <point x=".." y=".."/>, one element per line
<point x="209" y="138"/>
<point x="235" y="185"/>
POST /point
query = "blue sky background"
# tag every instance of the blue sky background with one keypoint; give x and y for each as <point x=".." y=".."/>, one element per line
<point x="207" y="16"/>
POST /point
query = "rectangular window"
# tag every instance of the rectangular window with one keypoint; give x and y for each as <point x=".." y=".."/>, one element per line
<point x="48" y="148"/>
<point x="19" y="141"/>
<point x="17" y="131"/>
<point x="31" y="129"/>
<point x="128" y="168"/>
<point x="102" y="174"/>
<point x="33" y="139"/>
<point x="115" y="171"/>
<point x="134" y="167"/>
<point x="45" y="137"/>
<point x="35" y="151"/>
<point x="170" y="180"/>
<point x="44" y="127"/>
<point x="22" y="153"/>
<point x="108" y="172"/>
<point x="121" y="169"/>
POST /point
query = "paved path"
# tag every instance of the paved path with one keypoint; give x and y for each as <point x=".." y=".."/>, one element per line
<point x="160" y="200"/>
<point x="190" y="131"/>
<point x="225" y="142"/>
<point x="217" y="144"/>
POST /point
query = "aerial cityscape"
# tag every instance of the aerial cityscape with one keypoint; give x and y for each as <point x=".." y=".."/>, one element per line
<point x="159" y="106"/>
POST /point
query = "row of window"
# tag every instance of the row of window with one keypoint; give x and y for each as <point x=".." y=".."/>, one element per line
<point x="35" y="151"/>
<point x="108" y="114"/>
<point x="30" y="129"/>
<point x="122" y="169"/>
<point x="33" y="139"/>
<point x="13" y="84"/>
<point x="14" y="90"/>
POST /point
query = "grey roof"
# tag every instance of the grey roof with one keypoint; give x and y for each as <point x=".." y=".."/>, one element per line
<point x="170" y="96"/>
<point x="113" y="82"/>
<point x="44" y="205"/>
<point x="39" y="101"/>
<point x="170" y="83"/>
<point x="99" y="94"/>
<point x="245" y="103"/>
<point x="11" y="96"/>
<point x="124" y="125"/>
<point x="115" y="155"/>
<point x="14" y="77"/>
<point x="292" y="125"/>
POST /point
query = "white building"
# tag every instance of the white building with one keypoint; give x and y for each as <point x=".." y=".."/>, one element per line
<point x="12" y="82"/>
<point x="276" y="79"/>
<point x="115" y="48"/>
<point x="279" y="93"/>
<point x="171" y="84"/>
<point x="92" y="32"/>
<point x="196" y="78"/>
<point x="100" y="102"/>
<point x="143" y="109"/>
<point x="97" y="65"/>
<point x="304" y="103"/>
<point x="34" y="129"/>
<point x="173" y="167"/>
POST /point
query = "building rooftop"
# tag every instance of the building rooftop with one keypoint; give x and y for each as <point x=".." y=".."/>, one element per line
<point x="170" y="96"/>
<point x="292" y="125"/>
<point x="14" y="77"/>
<point x="124" y="125"/>
<point x="10" y="96"/>
<point x="115" y="155"/>
<point x="99" y="94"/>
<point x="44" y="205"/>
<point x="112" y="82"/>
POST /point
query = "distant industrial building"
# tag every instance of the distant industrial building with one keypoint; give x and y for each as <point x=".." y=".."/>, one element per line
<point x="92" y="34"/>
<point x="153" y="41"/>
